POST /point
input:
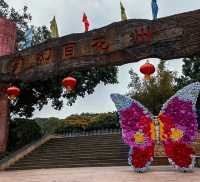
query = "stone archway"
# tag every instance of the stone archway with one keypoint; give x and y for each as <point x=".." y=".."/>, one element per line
<point x="123" y="42"/>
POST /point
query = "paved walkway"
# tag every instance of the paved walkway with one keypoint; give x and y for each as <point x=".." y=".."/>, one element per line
<point x="108" y="174"/>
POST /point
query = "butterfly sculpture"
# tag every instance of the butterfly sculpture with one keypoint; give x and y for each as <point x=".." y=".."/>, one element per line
<point x="175" y="127"/>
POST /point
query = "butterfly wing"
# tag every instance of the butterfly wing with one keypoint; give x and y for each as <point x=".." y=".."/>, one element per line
<point x="180" y="127"/>
<point x="137" y="131"/>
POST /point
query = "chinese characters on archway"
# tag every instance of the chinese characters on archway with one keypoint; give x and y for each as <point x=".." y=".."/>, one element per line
<point x="68" y="50"/>
<point x="72" y="49"/>
<point x="141" y="35"/>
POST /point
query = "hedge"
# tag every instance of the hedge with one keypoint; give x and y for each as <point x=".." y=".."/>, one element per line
<point x="21" y="133"/>
<point x="89" y="122"/>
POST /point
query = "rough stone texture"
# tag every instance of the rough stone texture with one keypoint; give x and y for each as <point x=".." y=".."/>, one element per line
<point x="123" y="42"/>
<point x="108" y="174"/>
<point x="4" y="124"/>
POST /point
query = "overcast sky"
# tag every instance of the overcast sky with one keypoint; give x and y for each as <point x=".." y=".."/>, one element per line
<point x="100" y="13"/>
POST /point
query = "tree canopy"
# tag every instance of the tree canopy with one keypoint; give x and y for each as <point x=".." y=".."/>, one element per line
<point x="155" y="92"/>
<point x="37" y="94"/>
<point x="191" y="71"/>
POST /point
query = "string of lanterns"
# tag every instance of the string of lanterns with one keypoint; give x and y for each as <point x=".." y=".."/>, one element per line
<point x="69" y="83"/>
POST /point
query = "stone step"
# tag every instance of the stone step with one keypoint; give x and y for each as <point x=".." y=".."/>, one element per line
<point x="160" y="161"/>
<point x="88" y="138"/>
<point x="68" y="166"/>
<point x="74" y="146"/>
<point x="85" y="151"/>
<point x="51" y="155"/>
<point x="73" y="161"/>
<point x="82" y="150"/>
<point x="104" y="143"/>
<point x="72" y="158"/>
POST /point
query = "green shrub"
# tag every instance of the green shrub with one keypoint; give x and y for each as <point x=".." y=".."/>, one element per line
<point x="89" y="122"/>
<point x="49" y="125"/>
<point x="22" y="132"/>
<point x="104" y="121"/>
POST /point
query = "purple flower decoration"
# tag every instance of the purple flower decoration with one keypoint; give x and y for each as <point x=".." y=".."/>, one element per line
<point x="130" y="123"/>
<point x="130" y="116"/>
<point x="128" y="138"/>
<point x="183" y="117"/>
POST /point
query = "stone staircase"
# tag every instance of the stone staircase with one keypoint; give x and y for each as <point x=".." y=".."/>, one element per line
<point x="82" y="151"/>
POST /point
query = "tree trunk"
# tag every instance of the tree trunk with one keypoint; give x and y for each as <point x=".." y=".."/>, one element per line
<point x="4" y="121"/>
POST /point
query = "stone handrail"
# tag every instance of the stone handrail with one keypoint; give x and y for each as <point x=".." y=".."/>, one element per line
<point x="90" y="133"/>
<point x="13" y="158"/>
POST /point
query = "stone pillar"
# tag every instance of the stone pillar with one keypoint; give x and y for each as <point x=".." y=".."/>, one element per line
<point x="4" y="121"/>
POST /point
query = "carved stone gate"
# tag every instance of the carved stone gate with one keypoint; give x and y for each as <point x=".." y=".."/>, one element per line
<point x="123" y="42"/>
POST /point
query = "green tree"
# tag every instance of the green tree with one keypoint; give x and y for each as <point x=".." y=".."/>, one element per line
<point x="155" y="92"/>
<point x="37" y="94"/>
<point x="89" y="122"/>
<point x="23" y="21"/>
<point x="190" y="70"/>
<point x="22" y="132"/>
<point x="49" y="125"/>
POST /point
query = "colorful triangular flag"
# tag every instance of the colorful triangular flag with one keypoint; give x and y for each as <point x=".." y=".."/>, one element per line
<point x="154" y="7"/>
<point x="54" y="28"/>
<point x="123" y="12"/>
<point x="86" y="22"/>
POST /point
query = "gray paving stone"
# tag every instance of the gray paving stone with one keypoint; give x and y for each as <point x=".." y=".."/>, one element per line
<point x="100" y="174"/>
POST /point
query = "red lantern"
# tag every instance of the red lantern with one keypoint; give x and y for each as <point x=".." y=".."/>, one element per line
<point x="147" y="69"/>
<point x="69" y="83"/>
<point x="13" y="92"/>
